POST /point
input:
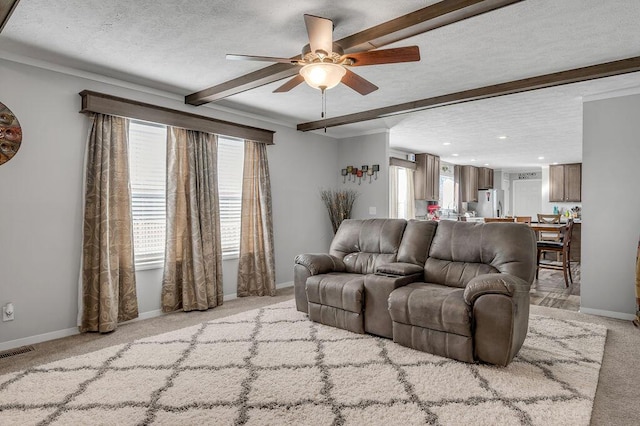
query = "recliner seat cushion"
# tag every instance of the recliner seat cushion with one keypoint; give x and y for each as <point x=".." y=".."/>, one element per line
<point x="431" y="306"/>
<point x="338" y="289"/>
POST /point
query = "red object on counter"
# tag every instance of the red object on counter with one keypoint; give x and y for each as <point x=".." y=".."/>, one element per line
<point x="432" y="211"/>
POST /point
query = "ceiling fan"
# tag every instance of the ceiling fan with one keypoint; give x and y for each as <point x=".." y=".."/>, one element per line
<point x="324" y="63"/>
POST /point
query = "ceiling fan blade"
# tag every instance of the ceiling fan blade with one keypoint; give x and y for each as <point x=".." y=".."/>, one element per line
<point x="261" y="58"/>
<point x="384" y="56"/>
<point x="290" y="84"/>
<point x="320" y="31"/>
<point x="359" y="84"/>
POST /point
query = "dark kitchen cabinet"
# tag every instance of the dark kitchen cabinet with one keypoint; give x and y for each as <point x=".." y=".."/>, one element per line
<point x="485" y="178"/>
<point x="565" y="182"/>
<point x="427" y="177"/>
<point x="468" y="184"/>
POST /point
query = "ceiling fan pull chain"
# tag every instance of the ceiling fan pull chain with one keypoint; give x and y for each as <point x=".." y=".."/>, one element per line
<point x="324" y="104"/>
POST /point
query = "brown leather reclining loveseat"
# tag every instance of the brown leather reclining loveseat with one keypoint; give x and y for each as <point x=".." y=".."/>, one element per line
<point x="455" y="289"/>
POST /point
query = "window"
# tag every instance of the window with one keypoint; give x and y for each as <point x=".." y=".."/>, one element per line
<point x="147" y="166"/>
<point x="447" y="192"/>
<point x="230" y="165"/>
<point x="401" y="193"/>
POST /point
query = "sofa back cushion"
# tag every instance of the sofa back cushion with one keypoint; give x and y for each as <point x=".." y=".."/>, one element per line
<point x="416" y="241"/>
<point x="363" y="245"/>
<point x="461" y="251"/>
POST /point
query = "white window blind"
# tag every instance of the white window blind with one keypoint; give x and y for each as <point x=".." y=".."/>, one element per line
<point x="147" y="165"/>
<point x="230" y="162"/>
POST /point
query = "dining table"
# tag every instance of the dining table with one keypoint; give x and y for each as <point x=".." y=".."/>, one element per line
<point x="548" y="227"/>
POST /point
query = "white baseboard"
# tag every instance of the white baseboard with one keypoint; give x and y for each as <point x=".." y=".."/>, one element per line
<point x="285" y="284"/>
<point x="32" y="340"/>
<point x="610" y="314"/>
<point x="145" y="315"/>
<point x="278" y="286"/>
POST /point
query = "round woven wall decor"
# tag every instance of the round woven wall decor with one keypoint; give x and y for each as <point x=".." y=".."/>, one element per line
<point x="10" y="134"/>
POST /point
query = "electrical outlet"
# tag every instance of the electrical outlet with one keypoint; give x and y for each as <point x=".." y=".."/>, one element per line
<point x="8" y="312"/>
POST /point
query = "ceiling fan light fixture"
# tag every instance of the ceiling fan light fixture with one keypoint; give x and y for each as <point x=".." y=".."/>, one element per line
<point x="322" y="75"/>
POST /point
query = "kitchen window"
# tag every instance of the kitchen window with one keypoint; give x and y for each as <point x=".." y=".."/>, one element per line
<point x="447" y="193"/>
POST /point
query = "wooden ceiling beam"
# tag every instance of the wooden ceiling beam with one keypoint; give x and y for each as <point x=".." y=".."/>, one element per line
<point x="426" y="19"/>
<point x="435" y="16"/>
<point x="6" y="9"/>
<point x="575" y="75"/>
<point x="252" y="80"/>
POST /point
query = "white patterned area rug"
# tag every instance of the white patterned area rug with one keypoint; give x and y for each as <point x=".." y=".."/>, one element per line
<point x="272" y="366"/>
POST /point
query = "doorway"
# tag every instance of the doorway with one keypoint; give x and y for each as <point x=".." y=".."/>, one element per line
<point x="527" y="197"/>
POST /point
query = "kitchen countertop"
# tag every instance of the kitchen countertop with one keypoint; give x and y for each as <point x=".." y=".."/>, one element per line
<point x="481" y="219"/>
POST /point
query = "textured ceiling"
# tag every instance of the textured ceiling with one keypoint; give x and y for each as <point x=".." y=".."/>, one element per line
<point x="181" y="47"/>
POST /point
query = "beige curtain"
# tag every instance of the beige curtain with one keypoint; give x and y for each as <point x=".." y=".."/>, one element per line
<point x="256" y="266"/>
<point x="411" y="194"/>
<point x="393" y="192"/>
<point x="193" y="256"/>
<point x="108" y="271"/>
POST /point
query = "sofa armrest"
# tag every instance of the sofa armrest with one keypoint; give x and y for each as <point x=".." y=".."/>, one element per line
<point x="399" y="269"/>
<point x="320" y="263"/>
<point x="505" y="284"/>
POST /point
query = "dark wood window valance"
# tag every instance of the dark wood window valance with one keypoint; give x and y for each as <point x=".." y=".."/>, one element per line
<point x="112" y="105"/>
<point x="393" y="161"/>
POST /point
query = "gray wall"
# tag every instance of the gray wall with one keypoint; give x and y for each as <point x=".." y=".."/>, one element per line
<point x="610" y="205"/>
<point x="366" y="150"/>
<point x="41" y="199"/>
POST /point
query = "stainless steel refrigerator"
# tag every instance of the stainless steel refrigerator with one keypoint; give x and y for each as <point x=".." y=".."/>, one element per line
<point x="490" y="203"/>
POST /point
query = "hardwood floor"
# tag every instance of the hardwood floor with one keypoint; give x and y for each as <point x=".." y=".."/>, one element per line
<point x="549" y="289"/>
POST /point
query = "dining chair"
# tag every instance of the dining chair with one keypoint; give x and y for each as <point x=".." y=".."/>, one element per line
<point x="498" y="219"/>
<point x="524" y="219"/>
<point x="563" y="248"/>
<point x="549" y="236"/>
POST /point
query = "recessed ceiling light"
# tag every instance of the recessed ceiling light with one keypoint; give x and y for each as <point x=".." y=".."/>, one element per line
<point x="455" y="155"/>
<point x="502" y="137"/>
<point x="555" y="163"/>
<point x="540" y="158"/>
<point x="473" y="159"/>
<point x="446" y="143"/>
<point x="486" y="164"/>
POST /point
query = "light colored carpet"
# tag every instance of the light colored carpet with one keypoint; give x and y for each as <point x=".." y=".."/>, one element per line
<point x="273" y="366"/>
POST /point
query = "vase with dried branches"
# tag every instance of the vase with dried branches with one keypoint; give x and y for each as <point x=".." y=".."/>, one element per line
<point x="339" y="204"/>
